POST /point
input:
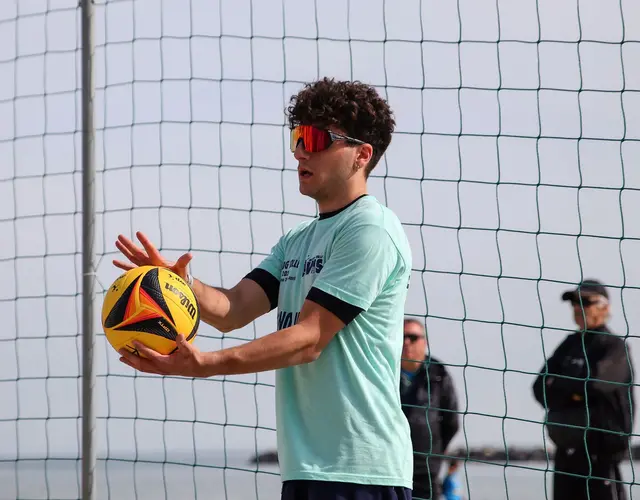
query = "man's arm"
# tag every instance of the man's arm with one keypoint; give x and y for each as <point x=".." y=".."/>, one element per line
<point x="545" y="389"/>
<point x="610" y="369"/>
<point x="296" y="345"/>
<point x="256" y="294"/>
<point x="224" y="309"/>
<point x="360" y="264"/>
<point x="450" y="418"/>
<point x="613" y="369"/>
<point x="361" y="261"/>
<point x="227" y="310"/>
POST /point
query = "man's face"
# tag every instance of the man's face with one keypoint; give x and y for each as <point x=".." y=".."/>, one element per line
<point x="415" y="344"/>
<point x="323" y="173"/>
<point x="591" y="313"/>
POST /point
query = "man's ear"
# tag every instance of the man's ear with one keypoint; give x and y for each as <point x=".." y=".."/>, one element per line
<point x="365" y="153"/>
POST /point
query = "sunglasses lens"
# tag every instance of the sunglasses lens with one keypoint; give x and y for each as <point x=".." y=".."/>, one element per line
<point x="313" y="139"/>
<point x="297" y="135"/>
<point x="585" y="303"/>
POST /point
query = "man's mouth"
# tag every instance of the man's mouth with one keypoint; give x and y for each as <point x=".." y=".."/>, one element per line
<point x="304" y="173"/>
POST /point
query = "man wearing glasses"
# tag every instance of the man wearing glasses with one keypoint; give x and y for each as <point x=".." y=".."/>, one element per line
<point x="586" y="389"/>
<point x="429" y="401"/>
<point x="339" y="282"/>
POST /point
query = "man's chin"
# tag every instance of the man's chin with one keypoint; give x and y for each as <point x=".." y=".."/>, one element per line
<point x="410" y="366"/>
<point x="306" y="190"/>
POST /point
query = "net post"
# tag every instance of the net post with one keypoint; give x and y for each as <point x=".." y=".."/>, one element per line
<point x="88" y="275"/>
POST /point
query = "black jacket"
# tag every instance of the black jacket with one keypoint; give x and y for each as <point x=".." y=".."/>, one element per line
<point x="586" y="384"/>
<point x="430" y="405"/>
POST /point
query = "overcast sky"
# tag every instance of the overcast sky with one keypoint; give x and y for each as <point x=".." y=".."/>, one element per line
<point x="508" y="198"/>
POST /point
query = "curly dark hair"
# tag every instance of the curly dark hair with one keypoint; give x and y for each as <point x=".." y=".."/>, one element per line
<point x="354" y="107"/>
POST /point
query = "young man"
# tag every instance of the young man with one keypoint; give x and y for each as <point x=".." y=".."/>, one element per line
<point x="339" y="282"/>
<point x="430" y="403"/>
<point x="586" y="389"/>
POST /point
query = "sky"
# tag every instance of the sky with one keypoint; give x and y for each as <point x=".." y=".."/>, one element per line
<point x="508" y="197"/>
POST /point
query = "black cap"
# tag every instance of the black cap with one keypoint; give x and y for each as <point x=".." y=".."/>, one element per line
<point x="587" y="288"/>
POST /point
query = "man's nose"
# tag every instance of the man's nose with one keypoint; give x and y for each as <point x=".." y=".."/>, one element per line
<point x="300" y="153"/>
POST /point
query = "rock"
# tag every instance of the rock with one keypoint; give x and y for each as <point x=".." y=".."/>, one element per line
<point x="268" y="457"/>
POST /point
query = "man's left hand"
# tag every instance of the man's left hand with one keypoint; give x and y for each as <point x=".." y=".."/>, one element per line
<point x="185" y="361"/>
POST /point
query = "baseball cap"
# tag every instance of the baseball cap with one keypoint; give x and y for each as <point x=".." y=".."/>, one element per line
<point x="587" y="288"/>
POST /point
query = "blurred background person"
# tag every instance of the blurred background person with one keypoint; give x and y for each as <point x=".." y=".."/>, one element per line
<point x="587" y="463"/>
<point x="430" y="403"/>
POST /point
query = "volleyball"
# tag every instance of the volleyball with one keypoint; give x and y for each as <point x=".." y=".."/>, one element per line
<point x="151" y="305"/>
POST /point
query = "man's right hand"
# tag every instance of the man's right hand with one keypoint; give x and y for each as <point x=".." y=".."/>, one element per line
<point x="148" y="256"/>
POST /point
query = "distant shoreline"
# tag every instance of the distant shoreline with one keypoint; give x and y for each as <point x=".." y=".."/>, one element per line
<point x="487" y="454"/>
<point x="237" y="457"/>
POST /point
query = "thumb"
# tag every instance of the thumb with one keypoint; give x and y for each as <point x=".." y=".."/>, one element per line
<point x="181" y="342"/>
<point x="183" y="261"/>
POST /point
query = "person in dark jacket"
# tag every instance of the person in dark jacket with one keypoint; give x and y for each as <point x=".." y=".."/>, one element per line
<point x="586" y="390"/>
<point x="429" y="401"/>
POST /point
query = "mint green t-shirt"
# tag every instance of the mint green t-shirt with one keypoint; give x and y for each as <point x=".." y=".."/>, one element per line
<point x="339" y="418"/>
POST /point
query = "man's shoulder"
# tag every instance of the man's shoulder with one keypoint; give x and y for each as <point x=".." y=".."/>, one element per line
<point x="433" y="362"/>
<point x="298" y="230"/>
<point x="370" y="214"/>
<point x="436" y="367"/>
<point x="371" y="211"/>
<point x="609" y="340"/>
<point x="569" y="340"/>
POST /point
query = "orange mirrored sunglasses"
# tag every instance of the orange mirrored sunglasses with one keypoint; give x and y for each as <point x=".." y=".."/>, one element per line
<point x="315" y="139"/>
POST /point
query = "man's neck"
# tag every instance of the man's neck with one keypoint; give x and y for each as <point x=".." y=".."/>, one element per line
<point x="340" y="200"/>
<point x="593" y="328"/>
<point x="411" y="366"/>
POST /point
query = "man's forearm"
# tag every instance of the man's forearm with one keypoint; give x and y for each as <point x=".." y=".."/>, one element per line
<point x="288" y="347"/>
<point x="215" y="305"/>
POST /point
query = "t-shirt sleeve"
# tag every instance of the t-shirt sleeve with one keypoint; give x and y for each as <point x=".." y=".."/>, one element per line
<point x="267" y="274"/>
<point x="362" y="260"/>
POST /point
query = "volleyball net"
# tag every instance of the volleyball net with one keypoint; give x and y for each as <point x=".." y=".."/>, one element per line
<point x="513" y="169"/>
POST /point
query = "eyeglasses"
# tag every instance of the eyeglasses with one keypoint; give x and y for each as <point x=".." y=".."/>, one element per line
<point x="587" y="302"/>
<point x="412" y="337"/>
<point x="584" y="303"/>
<point x="315" y="139"/>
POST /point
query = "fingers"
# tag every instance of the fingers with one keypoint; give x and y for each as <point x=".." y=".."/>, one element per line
<point x="131" y="251"/>
<point x="184" y="362"/>
<point x="125" y="266"/>
<point x="152" y="251"/>
<point x="150" y="354"/>
<point x="138" y="363"/>
<point x="147" y="256"/>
